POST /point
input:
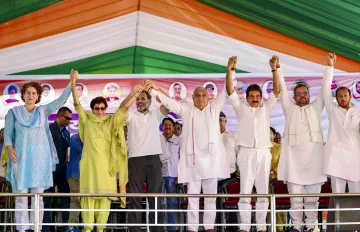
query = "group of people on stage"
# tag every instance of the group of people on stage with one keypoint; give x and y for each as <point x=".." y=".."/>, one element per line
<point x="129" y="145"/>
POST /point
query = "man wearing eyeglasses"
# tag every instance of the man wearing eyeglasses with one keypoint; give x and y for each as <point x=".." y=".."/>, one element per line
<point x="301" y="161"/>
<point x="61" y="137"/>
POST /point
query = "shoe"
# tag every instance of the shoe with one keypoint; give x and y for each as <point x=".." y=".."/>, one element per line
<point x="295" y="230"/>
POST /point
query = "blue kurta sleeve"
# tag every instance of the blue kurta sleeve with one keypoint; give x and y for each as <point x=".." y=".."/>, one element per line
<point x="57" y="103"/>
<point x="9" y="128"/>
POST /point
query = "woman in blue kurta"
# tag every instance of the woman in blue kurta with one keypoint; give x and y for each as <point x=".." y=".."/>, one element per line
<point x="32" y="153"/>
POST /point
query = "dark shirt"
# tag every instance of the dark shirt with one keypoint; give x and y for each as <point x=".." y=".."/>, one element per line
<point x="61" y="137"/>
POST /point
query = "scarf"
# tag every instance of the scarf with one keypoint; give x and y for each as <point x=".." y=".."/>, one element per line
<point x="37" y="119"/>
<point x="314" y="123"/>
<point x="115" y="135"/>
<point x="190" y="146"/>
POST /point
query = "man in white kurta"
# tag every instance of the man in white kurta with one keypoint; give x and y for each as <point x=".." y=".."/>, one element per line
<point x="203" y="158"/>
<point x="301" y="160"/>
<point x="229" y="140"/>
<point x="341" y="156"/>
<point x="254" y="158"/>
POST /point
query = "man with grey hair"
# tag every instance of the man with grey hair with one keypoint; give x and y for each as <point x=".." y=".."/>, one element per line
<point x="203" y="158"/>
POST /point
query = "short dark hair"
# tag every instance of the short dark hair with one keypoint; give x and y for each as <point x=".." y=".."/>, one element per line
<point x="222" y="114"/>
<point x="82" y="87"/>
<point x="98" y="100"/>
<point x="300" y="85"/>
<point x="273" y="130"/>
<point x="211" y="86"/>
<point x="48" y="86"/>
<point x="176" y="83"/>
<point x="178" y="123"/>
<point x="148" y="95"/>
<point x="169" y="119"/>
<point x="253" y="87"/>
<point x="36" y="85"/>
<point x="63" y="110"/>
<point x="343" y="87"/>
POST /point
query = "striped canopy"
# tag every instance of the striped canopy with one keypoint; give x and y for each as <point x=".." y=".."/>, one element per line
<point x="176" y="36"/>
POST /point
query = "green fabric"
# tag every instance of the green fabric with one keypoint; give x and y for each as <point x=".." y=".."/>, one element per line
<point x="139" y="60"/>
<point x="332" y="25"/>
<point x="11" y="9"/>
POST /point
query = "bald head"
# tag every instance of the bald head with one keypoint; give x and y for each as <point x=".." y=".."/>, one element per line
<point x="200" y="97"/>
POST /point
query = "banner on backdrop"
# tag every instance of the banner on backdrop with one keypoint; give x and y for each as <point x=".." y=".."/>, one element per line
<point x="179" y="87"/>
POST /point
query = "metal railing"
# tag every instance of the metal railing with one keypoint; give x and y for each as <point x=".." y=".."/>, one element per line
<point x="273" y="210"/>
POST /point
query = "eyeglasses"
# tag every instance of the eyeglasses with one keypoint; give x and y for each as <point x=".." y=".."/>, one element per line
<point x="100" y="108"/>
<point x="299" y="94"/>
<point x="66" y="117"/>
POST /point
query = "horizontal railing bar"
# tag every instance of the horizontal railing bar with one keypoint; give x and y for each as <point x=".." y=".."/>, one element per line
<point x="158" y="210"/>
<point x="172" y="195"/>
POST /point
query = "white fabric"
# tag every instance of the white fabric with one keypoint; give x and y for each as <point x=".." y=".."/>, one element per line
<point x="177" y="38"/>
<point x="338" y="185"/>
<point x="229" y="141"/>
<point x="143" y="133"/>
<point x="300" y="116"/>
<point x="201" y="135"/>
<point x="255" y="121"/>
<point x="142" y="29"/>
<point x="171" y="155"/>
<point x="299" y="203"/>
<point x="22" y="217"/>
<point x="218" y="162"/>
<point x="254" y="165"/>
<point x="302" y="164"/>
<point x="209" y="186"/>
<point x="87" y="41"/>
<point x="341" y="156"/>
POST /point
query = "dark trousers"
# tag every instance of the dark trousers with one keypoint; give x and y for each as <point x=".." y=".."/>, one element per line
<point x="61" y="183"/>
<point x="145" y="169"/>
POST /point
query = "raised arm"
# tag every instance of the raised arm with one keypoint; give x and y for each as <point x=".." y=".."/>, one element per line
<point x="284" y="95"/>
<point x="149" y="86"/>
<point x="327" y="80"/>
<point x="319" y="101"/>
<point x="130" y="99"/>
<point x="231" y="67"/>
<point x="57" y="103"/>
<point x="275" y="62"/>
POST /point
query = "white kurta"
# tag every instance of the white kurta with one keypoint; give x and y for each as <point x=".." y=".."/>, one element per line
<point x="254" y="158"/>
<point x="301" y="164"/>
<point x="255" y="121"/>
<point x="229" y="140"/>
<point x="341" y="157"/>
<point x="206" y="166"/>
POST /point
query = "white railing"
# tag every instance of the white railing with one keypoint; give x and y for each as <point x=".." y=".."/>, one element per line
<point x="156" y="210"/>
